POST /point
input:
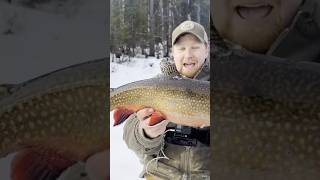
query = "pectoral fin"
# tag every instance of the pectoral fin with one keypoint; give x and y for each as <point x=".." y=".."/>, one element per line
<point x="120" y="115"/>
<point x="38" y="164"/>
<point x="155" y="118"/>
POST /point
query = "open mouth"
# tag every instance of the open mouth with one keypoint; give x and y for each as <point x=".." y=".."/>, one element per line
<point x="253" y="11"/>
<point x="189" y="65"/>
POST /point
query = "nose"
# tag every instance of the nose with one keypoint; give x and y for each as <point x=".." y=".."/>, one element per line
<point x="188" y="53"/>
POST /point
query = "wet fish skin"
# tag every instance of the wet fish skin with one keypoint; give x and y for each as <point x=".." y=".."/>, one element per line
<point x="63" y="112"/>
<point x="266" y="118"/>
<point x="182" y="101"/>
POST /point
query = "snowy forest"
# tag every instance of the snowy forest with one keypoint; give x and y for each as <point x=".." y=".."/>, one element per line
<point x="39" y="36"/>
<point x="143" y="27"/>
<point x="63" y="7"/>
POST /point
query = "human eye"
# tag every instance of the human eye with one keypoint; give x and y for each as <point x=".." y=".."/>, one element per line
<point x="181" y="48"/>
<point x="195" y="47"/>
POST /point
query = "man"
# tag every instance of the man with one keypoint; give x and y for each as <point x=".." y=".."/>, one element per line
<point x="183" y="152"/>
<point x="282" y="28"/>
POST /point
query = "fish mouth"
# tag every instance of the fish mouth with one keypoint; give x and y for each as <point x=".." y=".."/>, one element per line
<point x="253" y="11"/>
<point x="189" y="65"/>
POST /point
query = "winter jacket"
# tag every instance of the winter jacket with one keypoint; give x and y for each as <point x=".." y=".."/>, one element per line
<point x="301" y="40"/>
<point x="185" y="162"/>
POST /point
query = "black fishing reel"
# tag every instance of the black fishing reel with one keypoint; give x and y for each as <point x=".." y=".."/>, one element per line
<point x="187" y="136"/>
<point x="180" y="135"/>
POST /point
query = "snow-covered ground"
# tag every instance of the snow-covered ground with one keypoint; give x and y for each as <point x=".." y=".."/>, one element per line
<point x="123" y="162"/>
<point x="42" y="41"/>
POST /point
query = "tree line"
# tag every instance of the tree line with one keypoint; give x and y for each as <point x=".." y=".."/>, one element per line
<point x="146" y="25"/>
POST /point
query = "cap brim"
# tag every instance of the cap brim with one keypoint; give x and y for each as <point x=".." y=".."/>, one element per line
<point x="188" y="32"/>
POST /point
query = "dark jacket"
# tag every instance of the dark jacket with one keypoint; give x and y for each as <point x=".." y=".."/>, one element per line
<point x="301" y="40"/>
<point x="185" y="162"/>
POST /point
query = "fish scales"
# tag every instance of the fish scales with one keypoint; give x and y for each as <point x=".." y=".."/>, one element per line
<point x="63" y="110"/>
<point x="254" y="137"/>
<point x="266" y="118"/>
<point x="182" y="101"/>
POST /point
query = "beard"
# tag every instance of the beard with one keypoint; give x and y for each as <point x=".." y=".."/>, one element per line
<point x="253" y="35"/>
<point x="255" y="38"/>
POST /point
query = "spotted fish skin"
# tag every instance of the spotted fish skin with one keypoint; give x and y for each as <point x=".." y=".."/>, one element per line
<point x="182" y="101"/>
<point x="63" y="111"/>
<point x="266" y="116"/>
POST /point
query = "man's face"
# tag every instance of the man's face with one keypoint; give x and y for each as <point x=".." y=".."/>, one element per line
<point x="189" y="55"/>
<point x="253" y="24"/>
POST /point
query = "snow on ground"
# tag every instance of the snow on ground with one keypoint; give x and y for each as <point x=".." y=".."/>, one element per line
<point x="43" y="41"/>
<point x="123" y="162"/>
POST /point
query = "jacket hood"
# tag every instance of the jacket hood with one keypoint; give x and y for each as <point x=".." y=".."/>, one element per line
<point x="301" y="40"/>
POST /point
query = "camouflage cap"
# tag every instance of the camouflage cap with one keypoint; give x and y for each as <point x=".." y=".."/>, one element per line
<point x="190" y="27"/>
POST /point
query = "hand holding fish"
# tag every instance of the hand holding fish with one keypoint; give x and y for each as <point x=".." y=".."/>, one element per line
<point x="181" y="101"/>
<point x="145" y="116"/>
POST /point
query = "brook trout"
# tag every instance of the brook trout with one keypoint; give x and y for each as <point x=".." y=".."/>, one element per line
<point x="182" y="101"/>
<point x="55" y="120"/>
<point x="266" y="115"/>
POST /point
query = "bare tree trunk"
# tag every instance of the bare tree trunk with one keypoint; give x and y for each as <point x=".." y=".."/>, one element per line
<point x="122" y="10"/>
<point x="197" y="5"/>
<point x="161" y="6"/>
<point x="151" y="27"/>
<point x="170" y="22"/>
<point x="166" y="30"/>
<point x="189" y="9"/>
